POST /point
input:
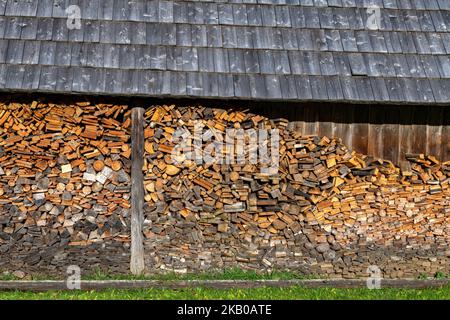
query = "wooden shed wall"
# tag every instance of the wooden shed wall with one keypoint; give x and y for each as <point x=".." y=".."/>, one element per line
<point x="387" y="131"/>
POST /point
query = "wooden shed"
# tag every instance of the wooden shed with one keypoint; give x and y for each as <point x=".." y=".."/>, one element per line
<point x="375" y="73"/>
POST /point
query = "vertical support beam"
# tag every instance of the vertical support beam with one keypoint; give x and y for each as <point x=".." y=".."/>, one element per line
<point x="137" y="264"/>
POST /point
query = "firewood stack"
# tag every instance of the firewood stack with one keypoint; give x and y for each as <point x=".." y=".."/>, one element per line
<point x="64" y="174"/>
<point x="337" y="198"/>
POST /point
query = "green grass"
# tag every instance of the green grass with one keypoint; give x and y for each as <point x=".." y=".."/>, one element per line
<point x="292" y="293"/>
<point x="229" y="274"/>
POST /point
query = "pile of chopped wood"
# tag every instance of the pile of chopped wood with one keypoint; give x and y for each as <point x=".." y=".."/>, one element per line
<point x="64" y="174"/>
<point x="321" y="189"/>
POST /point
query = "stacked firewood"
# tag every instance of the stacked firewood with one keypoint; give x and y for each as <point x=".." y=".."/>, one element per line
<point x="64" y="173"/>
<point x="320" y="189"/>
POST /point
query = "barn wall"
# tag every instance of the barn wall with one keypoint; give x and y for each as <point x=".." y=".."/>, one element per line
<point x="387" y="132"/>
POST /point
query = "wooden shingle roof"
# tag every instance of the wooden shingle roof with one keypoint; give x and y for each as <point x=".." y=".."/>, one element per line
<point x="248" y="49"/>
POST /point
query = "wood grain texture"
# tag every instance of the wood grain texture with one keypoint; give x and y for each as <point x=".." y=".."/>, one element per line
<point x="137" y="264"/>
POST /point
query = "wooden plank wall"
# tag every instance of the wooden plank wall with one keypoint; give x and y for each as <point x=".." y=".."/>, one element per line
<point x="387" y="132"/>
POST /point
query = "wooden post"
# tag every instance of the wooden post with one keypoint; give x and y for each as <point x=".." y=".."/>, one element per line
<point x="137" y="264"/>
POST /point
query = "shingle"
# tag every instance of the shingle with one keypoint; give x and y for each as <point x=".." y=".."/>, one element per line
<point x="258" y="88"/>
<point x="211" y="13"/>
<point x="377" y="41"/>
<point x="303" y="87"/>
<point x="436" y="44"/>
<point x="225" y="13"/>
<point x="421" y="43"/>
<point x="90" y="9"/>
<point x="311" y="63"/>
<point x="254" y="15"/>
<point x="199" y="38"/>
<point x="122" y="10"/>
<point x="317" y="88"/>
<point x="296" y="62"/>
<point x="239" y="14"/>
<point x="424" y="90"/>
<point x="168" y="34"/>
<point x="342" y="64"/>
<point x="91" y="31"/>
<point x="334" y="88"/>
<point x="326" y="18"/>
<point x="333" y="40"/>
<point x="184" y="35"/>
<point x="319" y="40"/>
<point x="131" y="81"/>
<point x="3" y="50"/>
<point x="226" y="85"/>
<point x="190" y="59"/>
<point x="229" y="39"/>
<point x="13" y="27"/>
<point x="281" y="60"/>
<point x="29" y="29"/>
<point x="14" y="76"/>
<point x="440" y="89"/>
<point x="297" y="17"/>
<point x="340" y="18"/>
<point x="15" y="51"/>
<point x="289" y="39"/>
<point x="349" y="90"/>
<point x="400" y="65"/>
<point x="2" y="75"/>
<point x="123" y="32"/>
<point x="305" y="40"/>
<point x="415" y="66"/>
<point x="430" y="66"/>
<point x="178" y="83"/>
<point x="393" y="43"/>
<point x="194" y="84"/>
<point x="106" y="9"/>
<point x="127" y="58"/>
<point x="357" y="64"/>
<point x="251" y="61"/>
<point x="47" y="80"/>
<point x="221" y="60"/>
<point x="139" y="34"/>
<point x="327" y="64"/>
<point x="244" y="38"/>
<point x="411" y="20"/>
<point x="150" y="13"/>
<point x="214" y="36"/>
<point x="63" y="54"/>
<point x="3" y="4"/>
<point x="210" y="85"/>
<point x="60" y="30"/>
<point x="288" y="87"/>
<point x="363" y="41"/>
<point x="113" y="81"/>
<point x="165" y="11"/>
<point x="242" y="86"/>
<point x="95" y="55"/>
<point x="266" y="62"/>
<point x="438" y="21"/>
<point x="311" y="17"/>
<point x="180" y="12"/>
<point x="282" y="16"/>
<point x="236" y="58"/>
<point x="348" y="40"/>
<point x="107" y="32"/>
<point x="137" y="11"/>
<point x="273" y="87"/>
<point x="31" y="52"/>
<point x="31" y="77"/>
<point x="112" y="56"/>
<point x="364" y="87"/>
<point x="268" y="16"/>
<point x="443" y="63"/>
